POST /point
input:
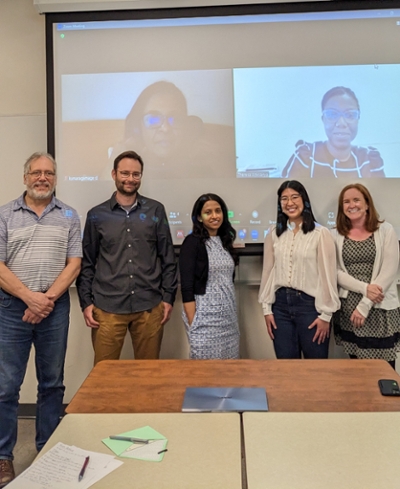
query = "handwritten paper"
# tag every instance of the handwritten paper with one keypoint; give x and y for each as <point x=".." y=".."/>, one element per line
<point x="59" y="468"/>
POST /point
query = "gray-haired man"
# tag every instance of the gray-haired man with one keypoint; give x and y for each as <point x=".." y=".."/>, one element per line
<point x="40" y="256"/>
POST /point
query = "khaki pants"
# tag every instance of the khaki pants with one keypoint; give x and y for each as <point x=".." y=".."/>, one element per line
<point x="144" y="327"/>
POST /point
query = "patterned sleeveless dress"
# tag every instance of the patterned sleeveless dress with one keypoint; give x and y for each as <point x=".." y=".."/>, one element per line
<point x="214" y="332"/>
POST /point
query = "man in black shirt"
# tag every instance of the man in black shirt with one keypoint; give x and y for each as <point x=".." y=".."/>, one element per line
<point x="128" y="278"/>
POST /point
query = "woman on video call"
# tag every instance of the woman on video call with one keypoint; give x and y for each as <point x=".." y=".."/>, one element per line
<point x="173" y="143"/>
<point x="298" y="288"/>
<point x="336" y="157"/>
<point x="207" y="263"/>
<point x="368" y="323"/>
<point x="158" y="126"/>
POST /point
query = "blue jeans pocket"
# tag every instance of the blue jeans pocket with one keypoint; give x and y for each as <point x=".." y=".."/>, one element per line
<point x="5" y="299"/>
<point x="306" y="299"/>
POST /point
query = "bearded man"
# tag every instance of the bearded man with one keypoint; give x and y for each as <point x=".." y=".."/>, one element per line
<point x="40" y="256"/>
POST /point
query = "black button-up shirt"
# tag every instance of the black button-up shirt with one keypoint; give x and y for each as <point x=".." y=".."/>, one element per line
<point x="128" y="260"/>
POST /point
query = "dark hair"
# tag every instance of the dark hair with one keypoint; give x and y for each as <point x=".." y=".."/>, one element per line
<point x="128" y="154"/>
<point x="308" y="216"/>
<point x="134" y="118"/>
<point x="333" y="92"/>
<point x="343" y="223"/>
<point x="226" y="232"/>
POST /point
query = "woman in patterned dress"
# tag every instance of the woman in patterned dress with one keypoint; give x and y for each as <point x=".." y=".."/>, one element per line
<point x="207" y="263"/>
<point x="368" y="322"/>
<point x="298" y="288"/>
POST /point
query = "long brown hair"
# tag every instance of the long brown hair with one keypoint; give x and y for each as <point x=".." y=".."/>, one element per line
<point x="343" y="223"/>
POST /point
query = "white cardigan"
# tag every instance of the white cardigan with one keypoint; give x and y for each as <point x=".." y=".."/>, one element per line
<point x="384" y="272"/>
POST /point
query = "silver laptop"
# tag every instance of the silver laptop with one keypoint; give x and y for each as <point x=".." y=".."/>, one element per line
<point x="224" y="399"/>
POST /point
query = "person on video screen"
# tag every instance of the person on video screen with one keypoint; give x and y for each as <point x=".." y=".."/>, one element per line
<point x="172" y="142"/>
<point x="336" y="157"/>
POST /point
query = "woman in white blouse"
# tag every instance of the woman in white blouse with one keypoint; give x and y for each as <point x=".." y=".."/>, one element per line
<point x="368" y="323"/>
<point x="298" y="287"/>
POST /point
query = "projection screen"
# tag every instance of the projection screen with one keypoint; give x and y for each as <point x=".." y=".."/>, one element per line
<point x="229" y="100"/>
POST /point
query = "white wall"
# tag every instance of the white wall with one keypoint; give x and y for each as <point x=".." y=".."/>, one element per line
<point x="23" y="131"/>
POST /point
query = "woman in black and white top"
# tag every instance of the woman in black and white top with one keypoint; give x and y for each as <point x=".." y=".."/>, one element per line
<point x="368" y="323"/>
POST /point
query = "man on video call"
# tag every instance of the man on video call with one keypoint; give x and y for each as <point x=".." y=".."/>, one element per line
<point x="128" y="279"/>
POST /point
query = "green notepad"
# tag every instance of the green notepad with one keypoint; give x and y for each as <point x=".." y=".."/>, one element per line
<point x="140" y="451"/>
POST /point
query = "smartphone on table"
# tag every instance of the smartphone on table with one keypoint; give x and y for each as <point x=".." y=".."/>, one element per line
<point x="389" y="387"/>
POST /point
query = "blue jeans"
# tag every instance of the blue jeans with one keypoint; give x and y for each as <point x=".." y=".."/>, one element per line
<point x="49" y="338"/>
<point x="293" y="312"/>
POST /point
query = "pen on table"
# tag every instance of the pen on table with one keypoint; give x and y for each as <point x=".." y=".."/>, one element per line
<point x="128" y="438"/>
<point x="83" y="469"/>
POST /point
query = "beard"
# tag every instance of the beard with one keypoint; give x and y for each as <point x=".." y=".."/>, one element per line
<point x="122" y="189"/>
<point x="35" y="194"/>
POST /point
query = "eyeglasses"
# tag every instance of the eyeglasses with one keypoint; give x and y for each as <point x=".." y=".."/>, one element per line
<point x="294" y="198"/>
<point x="39" y="173"/>
<point x="348" y="115"/>
<point x="126" y="174"/>
<point x="155" y="121"/>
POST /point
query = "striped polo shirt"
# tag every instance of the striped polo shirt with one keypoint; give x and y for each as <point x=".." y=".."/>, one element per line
<point x="36" y="248"/>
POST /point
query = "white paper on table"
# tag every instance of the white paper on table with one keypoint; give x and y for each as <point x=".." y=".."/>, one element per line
<point x="148" y="451"/>
<point x="59" y="468"/>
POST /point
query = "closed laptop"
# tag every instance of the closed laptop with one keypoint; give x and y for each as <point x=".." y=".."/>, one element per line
<point x="224" y="399"/>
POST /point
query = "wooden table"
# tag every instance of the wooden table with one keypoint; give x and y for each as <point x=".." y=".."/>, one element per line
<point x="203" y="451"/>
<point x="322" y="450"/>
<point x="129" y="386"/>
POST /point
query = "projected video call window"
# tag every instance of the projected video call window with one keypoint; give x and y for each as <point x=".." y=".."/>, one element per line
<point x="317" y="121"/>
<point x="295" y="122"/>
<point x="181" y="123"/>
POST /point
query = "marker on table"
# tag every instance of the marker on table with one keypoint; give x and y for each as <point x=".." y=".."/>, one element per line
<point x="128" y="438"/>
<point x="83" y="469"/>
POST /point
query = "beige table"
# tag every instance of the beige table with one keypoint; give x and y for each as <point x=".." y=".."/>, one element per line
<point x="322" y="450"/>
<point x="204" y="450"/>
